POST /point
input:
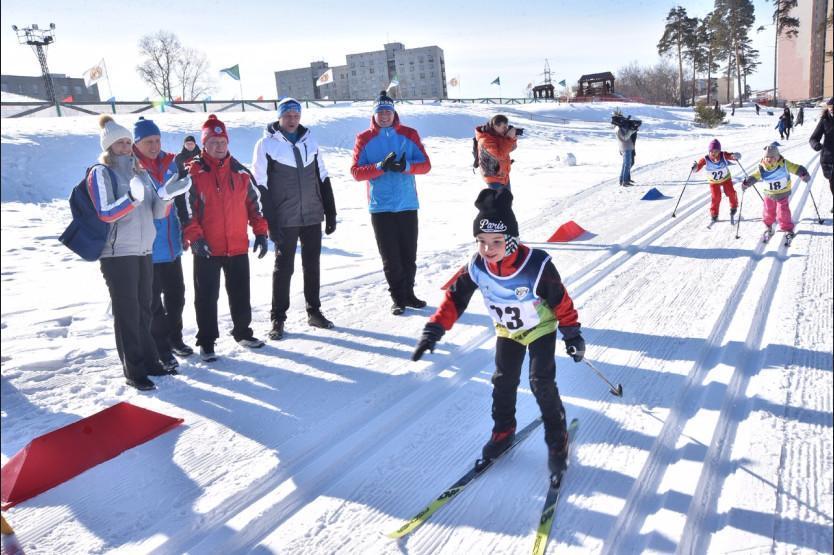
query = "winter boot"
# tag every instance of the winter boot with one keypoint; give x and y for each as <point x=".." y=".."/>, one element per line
<point x="714" y="217"/>
<point x="277" y="331"/>
<point x="498" y="443"/>
<point x="207" y="353"/>
<point x="412" y="301"/>
<point x="397" y="308"/>
<point x="168" y="366"/>
<point x="251" y="343"/>
<point x="142" y="384"/>
<point x="733" y="211"/>
<point x="316" y="319"/>
<point x="181" y="349"/>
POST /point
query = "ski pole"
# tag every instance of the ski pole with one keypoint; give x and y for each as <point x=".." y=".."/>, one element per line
<point x="819" y="219"/>
<point x="754" y="187"/>
<point x="617" y="390"/>
<point x="682" y="191"/>
<point x="740" y="206"/>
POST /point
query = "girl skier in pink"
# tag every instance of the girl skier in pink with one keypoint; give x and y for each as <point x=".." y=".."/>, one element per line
<point x="718" y="175"/>
<point x="775" y="171"/>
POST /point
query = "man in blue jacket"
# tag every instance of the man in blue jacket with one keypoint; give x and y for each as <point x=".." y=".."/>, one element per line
<point x="168" y="282"/>
<point x="388" y="156"/>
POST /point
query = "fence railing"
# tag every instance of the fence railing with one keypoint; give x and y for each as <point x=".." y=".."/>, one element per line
<point x="68" y="109"/>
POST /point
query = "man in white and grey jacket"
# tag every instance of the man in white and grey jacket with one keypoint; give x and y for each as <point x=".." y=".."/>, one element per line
<point x="298" y="197"/>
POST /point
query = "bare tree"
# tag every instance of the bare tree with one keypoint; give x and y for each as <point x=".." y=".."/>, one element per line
<point x="656" y="84"/>
<point x="192" y="72"/>
<point x="160" y="51"/>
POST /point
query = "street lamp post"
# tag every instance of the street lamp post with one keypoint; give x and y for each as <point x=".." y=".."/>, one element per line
<point x="37" y="39"/>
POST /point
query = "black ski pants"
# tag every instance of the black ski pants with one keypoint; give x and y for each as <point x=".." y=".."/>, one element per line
<point x="130" y="282"/>
<point x="509" y="356"/>
<point x="396" y="239"/>
<point x="167" y="307"/>
<point x="310" y="237"/>
<point x="207" y="291"/>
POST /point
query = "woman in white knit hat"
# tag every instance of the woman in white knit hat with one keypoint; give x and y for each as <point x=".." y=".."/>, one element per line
<point x="124" y="196"/>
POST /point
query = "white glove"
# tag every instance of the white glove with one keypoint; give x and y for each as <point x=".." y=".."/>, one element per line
<point x="174" y="187"/>
<point x="137" y="190"/>
<point x="737" y="155"/>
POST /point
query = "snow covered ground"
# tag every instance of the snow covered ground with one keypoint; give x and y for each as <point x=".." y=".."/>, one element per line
<point x="327" y="440"/>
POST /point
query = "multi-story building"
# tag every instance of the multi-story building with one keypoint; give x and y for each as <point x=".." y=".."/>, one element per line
<point x="421" y="73"/>
<point x="803" y="69"/>
<point x="64" y="86"/>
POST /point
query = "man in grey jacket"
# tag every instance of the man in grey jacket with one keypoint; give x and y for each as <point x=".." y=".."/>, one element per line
<point x="624" y="140"/>
<point x="298" y="196"/>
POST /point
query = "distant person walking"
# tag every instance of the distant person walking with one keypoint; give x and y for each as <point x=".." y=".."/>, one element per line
<point x="388" y="155"/>
<point x="800" y="117"/>
<point x="757" y="108"/>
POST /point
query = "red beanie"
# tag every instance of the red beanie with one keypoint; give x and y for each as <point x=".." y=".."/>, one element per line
<point x="213" y="127"/>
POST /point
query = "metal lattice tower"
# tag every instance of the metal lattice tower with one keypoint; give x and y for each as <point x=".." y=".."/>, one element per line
<point x="37" y="39"/>
<point x="546" y="72"/>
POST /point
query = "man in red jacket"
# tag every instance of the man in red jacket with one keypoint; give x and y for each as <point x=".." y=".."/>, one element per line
<point x="223" y="198"/>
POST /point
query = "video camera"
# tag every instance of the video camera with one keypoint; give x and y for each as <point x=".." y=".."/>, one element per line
<point x="518" y="131"/>
<point x="626" y="122"/>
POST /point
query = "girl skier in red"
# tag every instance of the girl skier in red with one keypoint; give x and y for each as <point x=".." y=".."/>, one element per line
<point x="718" y="175"/>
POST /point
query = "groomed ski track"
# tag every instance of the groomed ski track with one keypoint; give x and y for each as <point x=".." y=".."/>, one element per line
<point x="642" y="463"/>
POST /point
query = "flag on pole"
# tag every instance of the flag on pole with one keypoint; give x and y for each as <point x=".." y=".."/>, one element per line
<point x="68" y="99"/>
<point x="562" y="83"/>
<point x="233" y="72"/>
<point x="529" y="86"/>
<point x="497" y="81"/>
<point x="111" y="100"/>
<point x="325" y="78"/>
<point x="94" y="74"/>
<point x="394" y="83"/>
<point x="454" y="82"/>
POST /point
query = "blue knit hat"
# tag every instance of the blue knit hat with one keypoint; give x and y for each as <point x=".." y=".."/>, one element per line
<point x="144" y="128"/>
<point x="288" y="105"/>
<point x="384" y="102"/>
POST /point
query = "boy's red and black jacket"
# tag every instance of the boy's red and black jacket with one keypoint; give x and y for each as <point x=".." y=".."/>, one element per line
<point x="550" y="289"/>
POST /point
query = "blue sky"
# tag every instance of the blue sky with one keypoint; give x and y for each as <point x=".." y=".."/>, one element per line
<point x="481" y="40"/>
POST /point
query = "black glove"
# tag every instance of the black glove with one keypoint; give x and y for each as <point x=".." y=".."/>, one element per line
<point x="574" y="344"/>
<point x="260" y="243"/>
<point x="385" y="165"/>
<point x="694" y="166"/>
<point x="817" y="146"/>
<point x="201" y="248"/>
<point x="432" y="333"/>
<point x="399" y="165"/>
<point x="329" y="224"/>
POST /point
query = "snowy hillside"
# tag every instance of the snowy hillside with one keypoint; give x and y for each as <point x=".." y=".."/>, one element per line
<point x="327" y="440"/>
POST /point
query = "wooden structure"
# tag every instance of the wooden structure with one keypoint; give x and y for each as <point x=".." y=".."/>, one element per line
<point x="543" y="91"/>
<point x="596" y="84"/>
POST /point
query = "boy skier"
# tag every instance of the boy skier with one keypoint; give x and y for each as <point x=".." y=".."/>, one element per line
<point x="718" y="175"/>
<point x="775" y="171"/>
<point x="527" y="301"/>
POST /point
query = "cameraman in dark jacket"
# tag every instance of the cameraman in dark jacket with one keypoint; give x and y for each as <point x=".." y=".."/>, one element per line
<point x="626" y="137"/>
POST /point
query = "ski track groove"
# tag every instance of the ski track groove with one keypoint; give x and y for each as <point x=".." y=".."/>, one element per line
<point x="287" y="470"/>
<point x="613" y="259"/>
<point x="638" y="506"/>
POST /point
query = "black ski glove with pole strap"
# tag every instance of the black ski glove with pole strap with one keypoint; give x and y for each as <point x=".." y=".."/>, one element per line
<point x="432" y="333"/>
<point x="574" y="344"/>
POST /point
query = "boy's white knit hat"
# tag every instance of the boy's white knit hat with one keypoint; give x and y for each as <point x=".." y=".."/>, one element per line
<point x="112" y="131"/>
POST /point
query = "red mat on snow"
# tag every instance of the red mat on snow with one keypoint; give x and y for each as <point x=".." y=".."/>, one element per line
<point x="54" y="458"/>
<point x="566" y="232"/>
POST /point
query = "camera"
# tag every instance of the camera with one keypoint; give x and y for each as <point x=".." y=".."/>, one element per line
<point x="626" y="122"/>
<point x="518" y="131"/>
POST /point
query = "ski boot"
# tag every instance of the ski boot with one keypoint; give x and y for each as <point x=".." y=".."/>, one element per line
<point x="498" y="443"/>
<point x="767" y="234"/>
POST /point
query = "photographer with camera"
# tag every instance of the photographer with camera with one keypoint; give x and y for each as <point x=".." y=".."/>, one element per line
<point x="494" y="143"/>
<point x="626" y="137"/>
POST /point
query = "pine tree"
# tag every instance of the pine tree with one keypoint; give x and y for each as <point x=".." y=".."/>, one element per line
<point x="676" y="34"/>
<point x="739" y="16"/>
